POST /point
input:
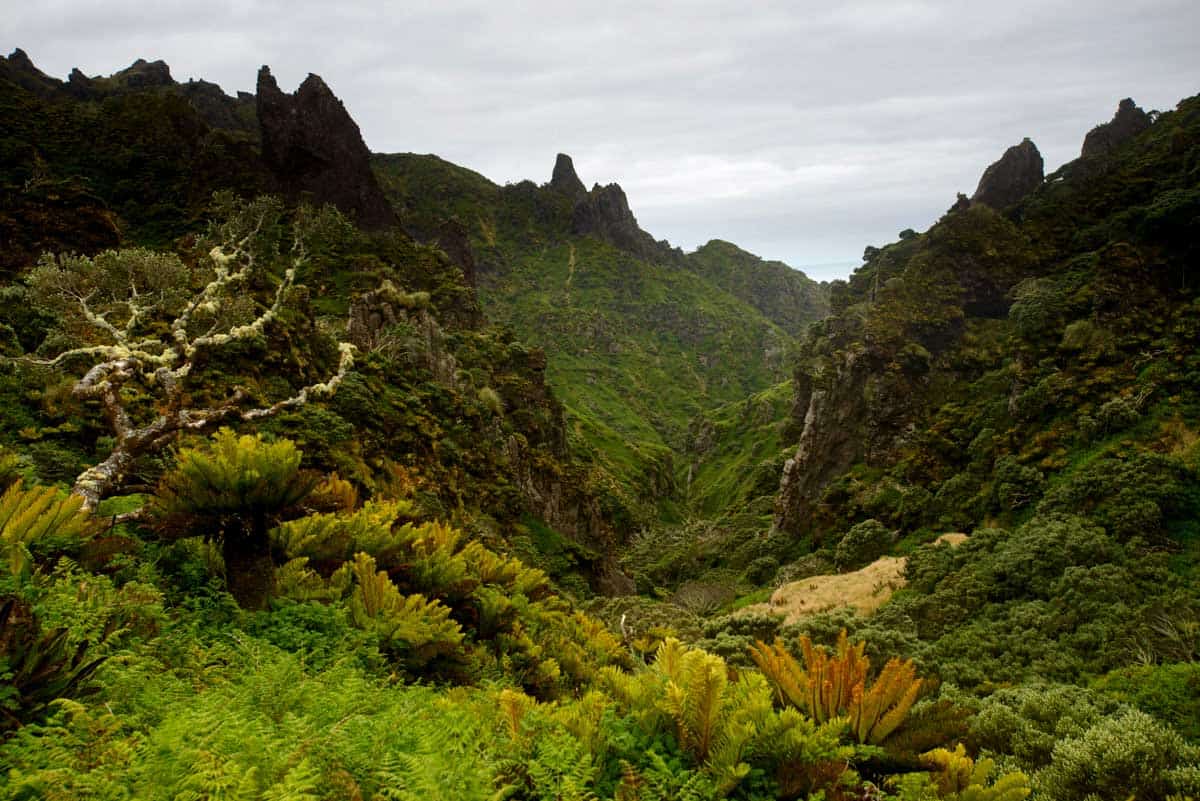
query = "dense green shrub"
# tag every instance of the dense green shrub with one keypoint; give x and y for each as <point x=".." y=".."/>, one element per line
<point x="1126" y="754"/>
<point x="1171" y="693"/>
<point x="864" y="543"/>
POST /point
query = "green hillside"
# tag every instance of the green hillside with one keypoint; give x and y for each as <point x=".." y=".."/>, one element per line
<point x="636" y="347"/>
<point x="490" y="499"/>
<point x="785" y="296"/>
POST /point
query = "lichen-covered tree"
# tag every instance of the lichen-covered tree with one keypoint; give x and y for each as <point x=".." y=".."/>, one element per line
<point x="137" y="323"/>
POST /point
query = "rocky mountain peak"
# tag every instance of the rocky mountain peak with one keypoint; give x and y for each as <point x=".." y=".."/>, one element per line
<point x="142" y="73"/>
<point x="1006" y="182"/>
<point x="312" y="145"/>
<point x="1128" y="122"/>
<point x="19" y="59"/>
<point x="564" y="178"/>
<point x="20" y="69"/>
<point x="604" y="213"/>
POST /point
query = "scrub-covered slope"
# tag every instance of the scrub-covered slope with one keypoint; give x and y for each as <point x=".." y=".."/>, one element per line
<point x="640" y="338"/>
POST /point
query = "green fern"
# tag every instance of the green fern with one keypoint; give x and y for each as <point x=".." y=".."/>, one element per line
<point x="39" y="513"/>
<point x="960" y="778"/>
<point x="561" y="769"/>
<point x="234" y="490"/>
<point x="688" y="692"/>
<point x="235" y="476"/>
<point x="413" y="627"/>
<point x="301" y="783"/>
<point x="664" y="783"/>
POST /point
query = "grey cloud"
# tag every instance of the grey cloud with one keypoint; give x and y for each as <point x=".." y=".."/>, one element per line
<point x="801" y="131"/>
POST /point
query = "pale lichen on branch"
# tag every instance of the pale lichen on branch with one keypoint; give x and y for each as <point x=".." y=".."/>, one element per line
<point x="144" y="292"/>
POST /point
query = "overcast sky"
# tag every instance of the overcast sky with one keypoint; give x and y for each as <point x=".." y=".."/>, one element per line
<point x="802" y="131"/>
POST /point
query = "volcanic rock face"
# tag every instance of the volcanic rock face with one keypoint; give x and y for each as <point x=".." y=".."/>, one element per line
<point x="1018" y="172"/>
<point x="453" y="239"/>
<point x="1128" y="122"/>
<point x="19" y="69"/>
<point x="142" y="73"/>
<point x="312" y="145"/>
<point x="219" y="109"/>
<point x="604" y="213"/>
<point x="565" y="180"/>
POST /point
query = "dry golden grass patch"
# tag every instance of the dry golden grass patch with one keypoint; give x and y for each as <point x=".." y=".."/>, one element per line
<point x="865" y="590"/>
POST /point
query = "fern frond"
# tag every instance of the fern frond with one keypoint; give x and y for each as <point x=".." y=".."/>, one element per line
<point x="513" y="707"/>
<point x="298" y="784"/>
<point x="827" y="687"/>
<point x="417" y="628"/>
<point x="960" y="778"/>
<point x="27" y="516"/>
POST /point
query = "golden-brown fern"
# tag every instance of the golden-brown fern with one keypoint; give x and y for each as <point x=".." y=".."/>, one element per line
<point x="960" y="778"/>
<point x="29" y="515"/>
<point x="828" y="685"/>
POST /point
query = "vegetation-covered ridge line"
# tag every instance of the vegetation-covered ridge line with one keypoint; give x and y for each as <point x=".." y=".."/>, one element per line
<point x="418" y="585"/>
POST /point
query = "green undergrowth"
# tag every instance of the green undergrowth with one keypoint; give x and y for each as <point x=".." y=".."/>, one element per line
<point x="737" y="451"/>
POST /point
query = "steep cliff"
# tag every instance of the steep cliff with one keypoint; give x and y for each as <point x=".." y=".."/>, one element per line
<point x="313" y="146"/>
<point x="896" y="384"/>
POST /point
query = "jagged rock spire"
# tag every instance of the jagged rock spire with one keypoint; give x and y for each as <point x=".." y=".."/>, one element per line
<point x="1018" y="172"/>
<point x="565" y="180"/>
<point x="1128" y="122"/>
<point x="312" y="145"/>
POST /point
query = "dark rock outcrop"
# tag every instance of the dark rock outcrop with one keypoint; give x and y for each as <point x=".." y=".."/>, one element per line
<point x="313" y="146"/>
<point x="604" y="213"/>
<point x="219" y="109"/>
<point x="1128" y="122"/>
<point x="80" y="85"/>
<point x="1005" y="183"/>
<point x="20" y="69"/>
<point x="138" y="76"/>
<point x="565" y="180"/>
<point x="455" y="242"/>
<point x="142" y="74"/>
<point x="853" y="410"/>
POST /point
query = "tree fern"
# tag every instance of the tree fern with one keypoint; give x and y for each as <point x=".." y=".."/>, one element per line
<point x="716" y="721"/>
<point x="694" y="698"/>
<point x="234" y="475"/>
<point x="808" y="757"/>
<point x="234" y="489"/>
<point x="514" y="705"/>
<point x="828" y="686"/>
<point x="584" y="719"/>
